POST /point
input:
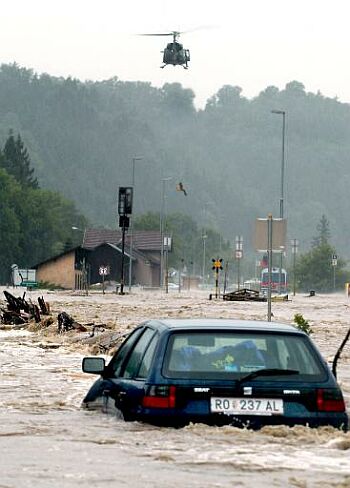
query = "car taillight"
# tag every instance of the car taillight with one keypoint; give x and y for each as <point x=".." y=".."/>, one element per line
<point x="330" y="400"/>
<point x="159" y="396"/>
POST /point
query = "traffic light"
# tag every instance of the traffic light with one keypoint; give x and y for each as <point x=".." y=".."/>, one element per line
<point x="125" y="200"/>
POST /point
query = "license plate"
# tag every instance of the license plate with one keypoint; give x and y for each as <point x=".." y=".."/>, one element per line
<point x="247" y="406"/>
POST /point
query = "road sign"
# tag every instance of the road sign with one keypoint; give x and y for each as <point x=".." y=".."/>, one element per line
<point x="103" y="270"/>
<point x="334" y="262"/>
<point x="167" y="243"/>
<point x="239" y="254"/>
<point x="279" y="232"/>
<point x="217" y="263"/>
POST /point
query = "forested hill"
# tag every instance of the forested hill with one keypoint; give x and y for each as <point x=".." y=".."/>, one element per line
<point x="82" y="138"/>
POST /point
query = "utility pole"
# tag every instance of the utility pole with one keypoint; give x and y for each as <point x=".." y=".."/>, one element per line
<point x="131" y="226"/>
<point x="124" y="210"/>
<point x="167" y="246"/>
<point x="295" y="244"/>
<point x="283" y="113"/>
<point x="269" y="255"/>
<point x="334" y="265"/>
<point x="162" y="229"/>
<point x="239" y="256"/>
<point x="204" y="237"/>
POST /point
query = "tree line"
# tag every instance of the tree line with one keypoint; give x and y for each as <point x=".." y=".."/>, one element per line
<point x="35" y="223"/>
<point x="83" y="136"/>
<point x="320" y="268"/>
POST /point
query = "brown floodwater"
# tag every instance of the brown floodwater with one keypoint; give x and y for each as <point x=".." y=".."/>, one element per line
<point x="46" y="439"/>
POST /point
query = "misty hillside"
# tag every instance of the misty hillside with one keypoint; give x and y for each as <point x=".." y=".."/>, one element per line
<point x="82" y="138"/>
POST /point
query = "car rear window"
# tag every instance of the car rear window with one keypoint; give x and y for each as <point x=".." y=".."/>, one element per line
<point x="221" y="354"/>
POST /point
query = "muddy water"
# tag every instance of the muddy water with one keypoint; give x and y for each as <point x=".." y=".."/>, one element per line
<point x="47" y="440"/>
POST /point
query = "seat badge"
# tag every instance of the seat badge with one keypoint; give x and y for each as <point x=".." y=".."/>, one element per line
<point x="247" y="390"/>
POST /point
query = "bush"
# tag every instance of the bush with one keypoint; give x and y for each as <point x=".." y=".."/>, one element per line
<point x="302" y="324"/>
<point x="46" y="285"/>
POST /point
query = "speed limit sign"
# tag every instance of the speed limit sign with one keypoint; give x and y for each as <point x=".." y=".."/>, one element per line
<point x="103" y="270"/>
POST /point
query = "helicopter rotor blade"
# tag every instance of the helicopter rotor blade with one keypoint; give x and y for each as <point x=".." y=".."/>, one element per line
<point x="168" y="34"/>
<point x="201" y="27"/>
<point x="172" y="33"/>
<point x="176" y="34"/>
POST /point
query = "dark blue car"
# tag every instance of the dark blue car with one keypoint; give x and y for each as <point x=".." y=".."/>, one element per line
<point x="217" y="371"/>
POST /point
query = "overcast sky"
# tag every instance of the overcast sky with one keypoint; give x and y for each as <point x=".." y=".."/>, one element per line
<point x="249" y="43"/>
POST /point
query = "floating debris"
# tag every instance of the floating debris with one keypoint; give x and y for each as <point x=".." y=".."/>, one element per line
<point x="21" y="311"/>
<point x="244" y="295"/>
<point x="66" y="323"/>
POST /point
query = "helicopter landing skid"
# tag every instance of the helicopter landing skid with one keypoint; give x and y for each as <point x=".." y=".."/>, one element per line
<point x="184" y="67"/>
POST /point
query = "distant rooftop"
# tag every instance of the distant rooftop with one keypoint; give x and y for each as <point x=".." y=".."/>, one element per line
<point x="143" y="240"/>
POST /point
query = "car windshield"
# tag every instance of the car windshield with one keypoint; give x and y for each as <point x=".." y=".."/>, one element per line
<point x="235" y="354"/>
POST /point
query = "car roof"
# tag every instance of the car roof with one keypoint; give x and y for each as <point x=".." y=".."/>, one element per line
<point x="232" y="324"/>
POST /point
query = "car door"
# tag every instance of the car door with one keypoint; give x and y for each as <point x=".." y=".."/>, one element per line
<point x="105" y="388"/>
<point x="130" y="375"/>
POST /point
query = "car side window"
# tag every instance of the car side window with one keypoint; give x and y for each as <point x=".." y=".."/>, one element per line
<point x="147" y="358"/>
<point x="117" y="362"/>
<point x="133" y="363"/>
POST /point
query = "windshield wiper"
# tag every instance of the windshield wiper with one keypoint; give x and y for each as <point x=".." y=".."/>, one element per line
<point x="268" y="372"/>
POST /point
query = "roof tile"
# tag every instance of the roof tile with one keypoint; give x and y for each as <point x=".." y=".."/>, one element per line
<point x="143" y="240"/>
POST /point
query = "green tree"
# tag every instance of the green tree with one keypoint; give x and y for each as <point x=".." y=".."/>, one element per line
<point x="227" y="97"/>
<point x="314" y="269"/>
<point x="79" y="138"/>
<point x="324" y="233"/>
<point x="17" y="163"/>
<point x="147" y="221"/>
<point x="10" y="227"/>
<point x="35" y="224"/>
<point x="46" y="224"/>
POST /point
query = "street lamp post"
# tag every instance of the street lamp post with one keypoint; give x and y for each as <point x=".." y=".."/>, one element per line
<point x="162" y="229"/>
<point x="238" y="256"/>
<point x="334" y="265"/>
<point x="204" y="237"/>
<point x="79" y="230"/>
<point x="283" y="113"/>
<point x="295" y="244"/>
<point x="269" y="255"/>
<point x="131" y="226"/>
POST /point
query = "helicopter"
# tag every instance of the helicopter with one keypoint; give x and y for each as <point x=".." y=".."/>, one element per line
<point x="174" y="53"/>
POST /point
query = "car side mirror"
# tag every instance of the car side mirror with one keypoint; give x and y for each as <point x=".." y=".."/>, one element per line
<point x="93" y="365"/>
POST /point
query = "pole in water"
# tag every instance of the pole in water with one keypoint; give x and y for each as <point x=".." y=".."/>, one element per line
<point x="269" y="254"/>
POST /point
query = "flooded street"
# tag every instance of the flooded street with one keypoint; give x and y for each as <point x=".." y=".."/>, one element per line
<point x="47" y="440"/>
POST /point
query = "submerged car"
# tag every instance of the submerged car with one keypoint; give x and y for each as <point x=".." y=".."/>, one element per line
<point x="218" y="371"/>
